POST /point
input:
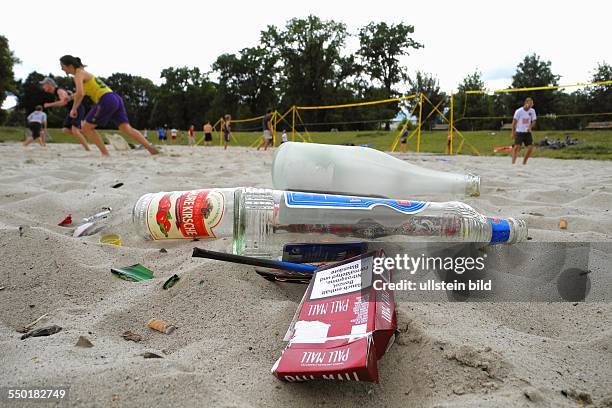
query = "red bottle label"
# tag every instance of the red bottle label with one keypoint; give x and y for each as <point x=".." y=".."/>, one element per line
<point x="185" y="214"/>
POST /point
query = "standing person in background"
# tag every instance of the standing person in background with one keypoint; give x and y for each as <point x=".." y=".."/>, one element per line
<point x="267" y="130"/>
<point x="207" y="134"/>
<point x="63" y="97"/>
<point x="522" y="123"/>
<point x="161" y="135"/>
<point x="226" y="128"/>
<point x="108" y="106"/>
<point x="284" y="137"/>
<point x="37" y="122"/>
<point x="191" y="135"/>
<point x="166" y="132"/>
<point x="403" y="141"/>
<point x="173" y="133"/>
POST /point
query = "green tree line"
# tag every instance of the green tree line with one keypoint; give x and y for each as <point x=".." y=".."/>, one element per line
<point x="307" y="62"/>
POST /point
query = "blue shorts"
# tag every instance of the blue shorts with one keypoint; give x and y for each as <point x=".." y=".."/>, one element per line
<point x="109" y="108"/>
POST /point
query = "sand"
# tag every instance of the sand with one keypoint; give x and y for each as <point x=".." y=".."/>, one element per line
<point x="231" y="322"/>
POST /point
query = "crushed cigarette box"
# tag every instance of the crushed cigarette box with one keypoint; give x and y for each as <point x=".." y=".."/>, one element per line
<point x="343" y="326"/>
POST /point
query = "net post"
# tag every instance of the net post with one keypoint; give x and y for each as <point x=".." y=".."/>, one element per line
<point x="293" y="124"/>
<point x="420" y="115"/>
<point x="450" y="128"/>
<point x="274" y="122"/>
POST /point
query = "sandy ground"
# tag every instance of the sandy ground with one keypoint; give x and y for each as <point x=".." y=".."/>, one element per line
<point x="231" y="322"/>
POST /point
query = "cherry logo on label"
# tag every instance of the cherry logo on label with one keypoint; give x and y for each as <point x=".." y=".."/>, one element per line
<point x="164" y="215"/>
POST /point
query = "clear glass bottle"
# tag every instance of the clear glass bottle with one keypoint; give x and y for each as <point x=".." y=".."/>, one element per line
<point x="262" y="221"/>
<point x="354" y="170"/>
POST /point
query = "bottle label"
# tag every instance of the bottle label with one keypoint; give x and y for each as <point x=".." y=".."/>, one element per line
<point x="185" y="214"/>
<point x="500" y="230"/>
<point x="311" y="200"/>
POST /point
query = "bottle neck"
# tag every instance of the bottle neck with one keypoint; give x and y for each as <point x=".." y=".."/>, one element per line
<point x="472" y="185"/>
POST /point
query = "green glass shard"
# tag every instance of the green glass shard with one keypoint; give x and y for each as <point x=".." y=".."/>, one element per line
<point x="171" y="281"/>
<point x="134" y="273"/>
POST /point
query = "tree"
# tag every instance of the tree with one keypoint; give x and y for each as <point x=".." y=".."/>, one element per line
<point x="533" y="72"/>
<point x="309" y="55"/>
<point x="183" y="99"/>
<point x="248" y="79"/>
<point x="381" y="45"/>
<point x="600" y="96"/>
<point x="430" y="87"/>
<point x="138" y="96"/>
<point x="7" y="79"/>
<point x="472" y="105"/>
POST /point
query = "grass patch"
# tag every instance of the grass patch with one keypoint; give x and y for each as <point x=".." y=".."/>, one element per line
<point x="595" y="144"/>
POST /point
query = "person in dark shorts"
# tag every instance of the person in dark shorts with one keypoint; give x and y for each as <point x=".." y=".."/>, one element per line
<point x="63" y="97"/>
<point x="403" y="141"/>
<point x="108" y="106"/>
<point x="226" y="128"/>
<point x="268" y="131"/>
<point x="207" y="134"/>
<point x="37" y="123"/>
<point x="522" y="123"/>
<point x="161" y="135"/>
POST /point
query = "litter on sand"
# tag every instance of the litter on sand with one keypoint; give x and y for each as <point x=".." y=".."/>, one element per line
<point x="148" y="354"/>
<point x="131" y="336"/>
<point x="66" y="221"/>
<point x="133" y="273"/>
<point x="83" y="342"/>
<point x="112" y="239"/>
<point x="171" y="281"/>
<point x="99" y="215"/>
<point x="340" y="295"/>
<point x="266" y="263"/>
<point x="43" y="331"/>
<point x="161" y="326"/>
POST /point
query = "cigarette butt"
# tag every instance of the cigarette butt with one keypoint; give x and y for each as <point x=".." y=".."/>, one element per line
<point x="161" y="326"/>
<point x="562" y="224"/>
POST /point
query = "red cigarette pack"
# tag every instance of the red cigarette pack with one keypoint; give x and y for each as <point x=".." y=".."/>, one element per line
<point x="343" y="326"/>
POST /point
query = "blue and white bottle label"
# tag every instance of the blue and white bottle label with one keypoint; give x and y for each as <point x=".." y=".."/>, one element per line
<point x="312" y="200"/>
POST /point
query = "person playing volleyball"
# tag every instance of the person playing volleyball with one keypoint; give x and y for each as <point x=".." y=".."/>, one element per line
<point x="108" y="105"/>
<point x="63" y="97"/>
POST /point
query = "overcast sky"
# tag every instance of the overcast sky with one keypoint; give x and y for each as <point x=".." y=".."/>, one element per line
<point x="143" y="37"/>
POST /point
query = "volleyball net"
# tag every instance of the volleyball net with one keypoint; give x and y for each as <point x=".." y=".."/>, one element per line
<point x="413" y="117"/>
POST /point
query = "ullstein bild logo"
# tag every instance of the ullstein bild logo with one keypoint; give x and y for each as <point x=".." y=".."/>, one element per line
<point x="413" y="264"/>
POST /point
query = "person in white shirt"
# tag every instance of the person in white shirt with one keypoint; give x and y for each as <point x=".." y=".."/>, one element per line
<point x="37" y="122"/>
<point x="522" y="123"/>
<point x="284" y="137"/>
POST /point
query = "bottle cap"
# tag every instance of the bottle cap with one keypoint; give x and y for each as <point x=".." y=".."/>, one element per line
<point x="507" y="230"/>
